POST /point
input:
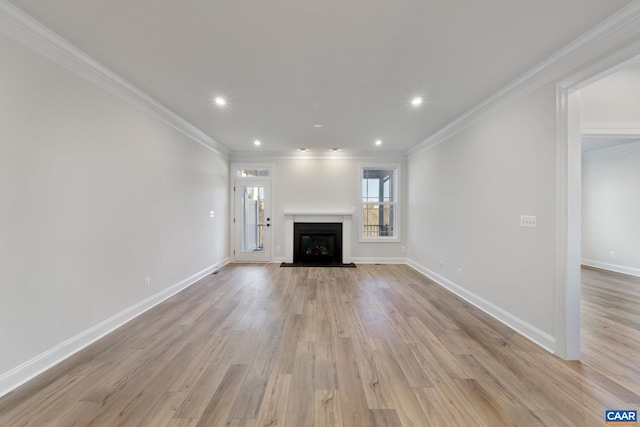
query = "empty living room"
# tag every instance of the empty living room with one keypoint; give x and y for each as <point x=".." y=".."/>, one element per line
<point x="319" y="213"/>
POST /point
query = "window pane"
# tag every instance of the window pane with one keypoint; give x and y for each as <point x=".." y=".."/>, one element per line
<point x="253" y="219"/>
<point x="378" y="185"/>
<point x="378" y="220"/>
<point x="370" y="190"/>
<point x="379" y="209"/>
<point x="252" y="173"/>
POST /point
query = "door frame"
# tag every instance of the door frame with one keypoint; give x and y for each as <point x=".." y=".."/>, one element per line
<point x="233" y="178"/>
<point x="568" y="197"/>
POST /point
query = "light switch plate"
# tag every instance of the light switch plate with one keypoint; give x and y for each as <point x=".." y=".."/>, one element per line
<point x="529" y="221"/>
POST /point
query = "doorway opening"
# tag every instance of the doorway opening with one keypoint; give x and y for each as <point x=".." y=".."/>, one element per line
<point x="251" y="226"/>
<point x="569" y="243"/>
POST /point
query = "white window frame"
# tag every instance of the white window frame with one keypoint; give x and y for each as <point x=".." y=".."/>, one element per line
<point x="258" y="166"/>
<point x="396" y="203"/>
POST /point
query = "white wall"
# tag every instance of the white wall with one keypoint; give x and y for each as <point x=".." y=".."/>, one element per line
<point x="612" y="101"/>
<point x="95" y="195"/>
<point x="466" y="196"/>
<point x="610" y="177"/>
<point x="309" y="184"/>
<point x="610" y="211"/>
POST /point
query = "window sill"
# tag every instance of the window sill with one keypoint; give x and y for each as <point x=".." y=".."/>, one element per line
<point x="380" y="240"/>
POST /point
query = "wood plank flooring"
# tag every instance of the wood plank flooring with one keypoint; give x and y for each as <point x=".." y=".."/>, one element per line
<point x="379" y="345"/>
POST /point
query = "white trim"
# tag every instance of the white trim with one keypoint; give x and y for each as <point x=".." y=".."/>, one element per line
<point x="630" y="147"/>
<point x="22" y="27"/>
<point x="257" y="156"/>
<point x="343" y="217"/>
<point x="568" y="223"/>
<point x="318" y="216"/>
<point x="609" y="36"/>
<point x="562" y="112"/>
<point x="234" y="166"/>
<point x="591" y="130"/>
<point x="534" y="334"/>
<point x="612" y="267"/>
<point x="16" y="377"/>
<point x="396" y="203"/>
<point x="380" y="260"/>
<point x="251" y="165"/>
<point x="622" y="43"/>
<point x="239" y="254"/>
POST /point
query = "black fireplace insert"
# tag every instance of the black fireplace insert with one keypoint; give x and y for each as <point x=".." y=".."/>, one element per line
<point x="317" y="243"/>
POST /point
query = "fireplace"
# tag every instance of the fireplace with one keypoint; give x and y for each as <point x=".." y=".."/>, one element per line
<point x="317" y="243"/>
<point x="336" y="217"/>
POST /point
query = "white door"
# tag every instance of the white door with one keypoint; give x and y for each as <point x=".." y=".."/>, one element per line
<point x="252" y="221"/>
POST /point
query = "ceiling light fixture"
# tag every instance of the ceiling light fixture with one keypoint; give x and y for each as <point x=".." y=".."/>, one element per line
<point x="257" y="142"/>
<point x="220" y="101"/>
<point x="303" y="149"/>
<point x="417" y="101"/>
<point x="317" y="126"/>
<point x="379" y="142"/>
<point x="335" y="149"/>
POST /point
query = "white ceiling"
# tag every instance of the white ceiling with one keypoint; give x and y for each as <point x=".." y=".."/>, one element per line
<point x="352" y="66"/>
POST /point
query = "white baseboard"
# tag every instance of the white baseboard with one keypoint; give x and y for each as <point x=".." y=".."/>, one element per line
<point x="612" y="267"/>
<point x="16" y="377"/>
<point x="539" y="337"/>
<point x="380" y="260"/>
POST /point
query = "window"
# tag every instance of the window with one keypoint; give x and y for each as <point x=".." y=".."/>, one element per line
<point x="379" y="202"/>
<point x="252" y="173"/>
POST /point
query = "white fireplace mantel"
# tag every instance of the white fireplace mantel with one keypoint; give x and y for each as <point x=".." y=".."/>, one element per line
<point x="343" y="217"/>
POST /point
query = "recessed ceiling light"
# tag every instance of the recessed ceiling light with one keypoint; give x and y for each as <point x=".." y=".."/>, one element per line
<point x="220" y="101"/>
<point x="257" y="142"/>
<point x="379" y="142"/>
<point x="417" y="101"/>
<point x="317" y="126"/>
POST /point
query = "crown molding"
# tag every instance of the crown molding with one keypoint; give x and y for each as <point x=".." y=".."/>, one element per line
<point x="252" y="156"/>
<point x="616" y="150"/>
<point x="619" y="33"/>
<point x="22" y="27"/>
<point x="595" y="130"/>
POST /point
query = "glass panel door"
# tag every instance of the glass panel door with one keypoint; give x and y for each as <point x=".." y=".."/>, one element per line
<point x="252" y="221"/>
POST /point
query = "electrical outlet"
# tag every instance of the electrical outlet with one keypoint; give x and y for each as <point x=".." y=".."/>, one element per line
<point x="441" y="265"/>
<point x="404" y="249"/>
<point x="612" y="254"/>
<point x="278" y="248"/>
<point x="459" y="272"/>
<point x="529" y="221"/>
<point x="147" y="282"/>
<point x="212" y="214"/>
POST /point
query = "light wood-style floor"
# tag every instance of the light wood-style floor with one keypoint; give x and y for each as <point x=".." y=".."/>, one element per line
<point x="378" y="345"/>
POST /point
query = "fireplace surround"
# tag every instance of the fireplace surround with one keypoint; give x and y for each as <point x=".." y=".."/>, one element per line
<point x="343" y="218"/>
